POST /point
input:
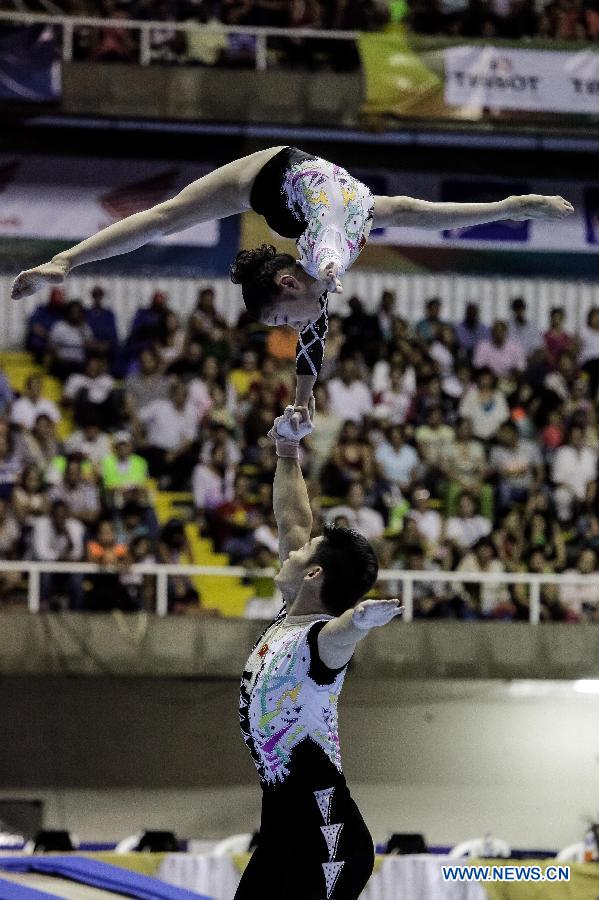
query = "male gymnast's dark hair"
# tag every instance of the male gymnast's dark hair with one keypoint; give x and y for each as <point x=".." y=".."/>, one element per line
<point x="255" y="271"/>
<point x="350" y="567"/>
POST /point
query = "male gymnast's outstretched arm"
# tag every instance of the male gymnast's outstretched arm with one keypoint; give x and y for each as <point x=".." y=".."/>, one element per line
<point x="339" y="637"/>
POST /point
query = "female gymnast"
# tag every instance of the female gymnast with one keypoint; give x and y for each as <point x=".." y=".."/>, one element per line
<point x="320" y="205"/>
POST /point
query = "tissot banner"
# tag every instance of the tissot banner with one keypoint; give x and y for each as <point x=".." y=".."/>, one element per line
<point x="536" y="80"/>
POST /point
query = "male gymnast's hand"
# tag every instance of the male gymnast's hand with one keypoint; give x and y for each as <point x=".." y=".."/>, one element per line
<point x="287" y="431"/>
<point x="538" y="206"/>
<point x="373" y="613"/>
<point x="31" y="280"/>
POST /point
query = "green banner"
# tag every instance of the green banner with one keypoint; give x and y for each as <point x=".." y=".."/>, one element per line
<point x="400" y="81"/>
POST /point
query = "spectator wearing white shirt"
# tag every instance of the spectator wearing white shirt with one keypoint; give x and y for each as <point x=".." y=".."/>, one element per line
<point x="323" y="438"/>
<point x="485" y="406"/>
<point x="465" y="529"/>
<point x="385" y="368"/>
<point x="488" y="595"/>
<point x="358" y="515"/>
<point x="31" y="404"/>
<point x="171" y="428"/>
<point x="69" y="342"/>
<point x="92" y="394"/>
<point x="58" y="537"/>
<point x="521" y="330"/>
<point x="428" y="521"/>
<point x="349" y="397"/>
<point x="90" y="442"/>
<point x="213" y="482"/>
<point x="392" y="404"/>
<point x="398" y="461"/>
<point x="574" y="473"/>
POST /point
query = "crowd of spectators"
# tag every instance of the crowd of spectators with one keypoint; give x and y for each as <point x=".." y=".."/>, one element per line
<point x="205" y="43"/>
<point x="563" y="20"/>
<point x="449" y="445"/>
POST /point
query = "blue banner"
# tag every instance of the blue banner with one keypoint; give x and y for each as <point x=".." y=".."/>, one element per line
<point x="30" y="64"/>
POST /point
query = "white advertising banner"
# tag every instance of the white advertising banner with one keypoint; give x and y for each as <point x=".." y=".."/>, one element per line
<point x="535" y="80"/>
<point x="63" y="198"/>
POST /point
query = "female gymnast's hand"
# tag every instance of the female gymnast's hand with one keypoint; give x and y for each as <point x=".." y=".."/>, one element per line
<point x="328" y="273"/>
<point x="372" y="613"/>
<point x="31" y="280"/>
<point x="303" y="415"/>
<point x="538" y="206"/>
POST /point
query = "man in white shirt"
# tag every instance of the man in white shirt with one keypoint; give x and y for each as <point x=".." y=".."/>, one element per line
<point x="90" y="442"/>
<point x="574" y="470"/>
<point x="349" y="397"/>
<point x="92" y="393"/>
<point x="171" y="428"/>
<point x="58" y="537"/>
<point x="31" y="404"/>
<point x="360" y="517"/>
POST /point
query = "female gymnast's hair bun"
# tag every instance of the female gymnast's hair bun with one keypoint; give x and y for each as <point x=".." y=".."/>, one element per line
<point x="249" y="262"/>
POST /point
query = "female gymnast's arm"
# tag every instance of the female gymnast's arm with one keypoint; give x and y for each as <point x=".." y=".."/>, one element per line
<point x="412" y="213"/>
<point x="337" y="640"/>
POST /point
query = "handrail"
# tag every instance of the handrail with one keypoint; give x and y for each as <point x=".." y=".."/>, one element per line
<point x="406" y="578"/>
<point x="155" y="24"/>
<point x="68" y="24"/>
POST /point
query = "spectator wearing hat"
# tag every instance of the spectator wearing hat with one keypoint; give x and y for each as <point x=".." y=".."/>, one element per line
<point x="123" y="469"/>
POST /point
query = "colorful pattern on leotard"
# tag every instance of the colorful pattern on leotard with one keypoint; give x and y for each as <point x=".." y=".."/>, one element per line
<point x="281" y="705"/>
<point x="338" y="210"/>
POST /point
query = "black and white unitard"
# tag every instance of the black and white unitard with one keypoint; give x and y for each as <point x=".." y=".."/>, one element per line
<point x="329" y="215"/>
<point x="314" y="844"/>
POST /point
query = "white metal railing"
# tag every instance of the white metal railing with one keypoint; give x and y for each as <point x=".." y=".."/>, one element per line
<point x="68" y="24"/>
<point x="406" y="579"/>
